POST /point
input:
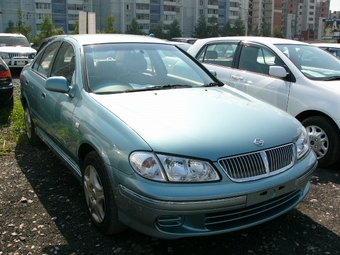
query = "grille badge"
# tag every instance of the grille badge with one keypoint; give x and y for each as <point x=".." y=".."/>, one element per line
<point x="258" y="142"/>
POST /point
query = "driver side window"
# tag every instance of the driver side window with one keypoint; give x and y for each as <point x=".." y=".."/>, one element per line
<point x="64" y="64"/>
<point x="43" y="63"/>
<point x="258" y="59"/>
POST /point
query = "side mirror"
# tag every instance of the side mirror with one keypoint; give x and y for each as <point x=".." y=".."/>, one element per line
<point x="277" y="71"/>
<point x="213" y="72"/>
<point x="57" y="84"/>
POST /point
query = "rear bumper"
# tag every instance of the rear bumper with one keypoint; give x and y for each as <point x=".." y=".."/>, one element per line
<point x="6" y="93"/>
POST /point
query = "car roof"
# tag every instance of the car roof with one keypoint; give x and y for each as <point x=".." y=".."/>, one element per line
<point x="47" y="40"/>
<point x="333" y="45"/>
<point x="11" y="34"/>
<point x="86" y="39"/>
<point x="259" y="39"/>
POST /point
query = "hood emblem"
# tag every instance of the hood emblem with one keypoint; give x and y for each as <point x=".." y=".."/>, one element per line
<point x="258" y="142"/>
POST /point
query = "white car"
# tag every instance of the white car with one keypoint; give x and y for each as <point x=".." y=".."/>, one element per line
<point x="333" y="48"/>
<point x="297" y="77"/>
<point x="15" y="50"/>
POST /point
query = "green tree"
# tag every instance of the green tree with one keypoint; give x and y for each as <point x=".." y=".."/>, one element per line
<point x="277" y="32"/>
<point x="159" y="30"/>
<point x="22" y="28"/>
<point x="47" y="29"/>
<point x="10" y="28"/>
<point x="134" y="29"/>
<point x="76" y="28"/>
<point x="201" y="28"/>
<point x="226" y="29"/>
<point x="265" y="29"/>
<point x="257" y="31"/>
<point x="238" y="27"/>
<point x="109" y="25"/>
<point x="213" y="27"/>
<point x="174" y="30"/>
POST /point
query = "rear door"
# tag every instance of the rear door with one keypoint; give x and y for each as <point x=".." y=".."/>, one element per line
<point x="219" y="57"/>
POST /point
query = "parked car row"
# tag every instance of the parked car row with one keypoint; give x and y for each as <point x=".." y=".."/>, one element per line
<point x="160" y="144"/>
<point x="296" y="77"/>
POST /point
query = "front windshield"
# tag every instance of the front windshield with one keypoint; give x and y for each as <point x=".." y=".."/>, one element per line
<point x="134" y="67"/>
<point x="14" y="41"/>
<point x="313" y="62"/>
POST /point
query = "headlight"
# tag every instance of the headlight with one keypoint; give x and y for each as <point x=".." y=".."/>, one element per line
<point x="172" y="169"/>
<point x="302" y="144"/>
<point x="31" y="55"/>
<point x="4" y="55"/>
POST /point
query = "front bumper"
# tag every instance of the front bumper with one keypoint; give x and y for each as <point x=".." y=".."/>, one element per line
<point x="175" y="219"/>
<point x="17" y="62"/>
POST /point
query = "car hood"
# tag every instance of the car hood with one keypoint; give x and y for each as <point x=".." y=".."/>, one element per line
<point x="201" y="122"/>
<point x="19" y="49"/>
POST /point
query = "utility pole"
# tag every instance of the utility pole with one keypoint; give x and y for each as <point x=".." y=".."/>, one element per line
<point x="295" y="8"/>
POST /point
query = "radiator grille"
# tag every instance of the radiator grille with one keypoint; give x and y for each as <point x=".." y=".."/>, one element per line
<point x="259" y="164"/>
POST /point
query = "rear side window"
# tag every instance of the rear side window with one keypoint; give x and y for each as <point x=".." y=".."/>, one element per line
<point x="219" y="54"/>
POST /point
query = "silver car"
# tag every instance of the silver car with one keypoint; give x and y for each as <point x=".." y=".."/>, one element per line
<point x="296" y="77"/>
<point x="158" y="143"/>
<point x="333" y="48"/>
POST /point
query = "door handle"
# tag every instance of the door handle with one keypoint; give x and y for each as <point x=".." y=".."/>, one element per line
<point x="43" y="95"/>
<point x="237" y="77"/>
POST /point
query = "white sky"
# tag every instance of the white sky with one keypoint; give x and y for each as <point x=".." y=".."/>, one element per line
<point x="335" y="5"/>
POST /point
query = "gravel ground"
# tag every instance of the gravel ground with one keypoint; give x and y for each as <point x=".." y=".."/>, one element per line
<point x="42" y="212"/>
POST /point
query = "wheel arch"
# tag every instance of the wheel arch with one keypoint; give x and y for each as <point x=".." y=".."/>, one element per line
<point x="304" y="115"/>
<point x="87" y="147"/>
<point x="83" y="150"/>
<point x="325" y="140"/>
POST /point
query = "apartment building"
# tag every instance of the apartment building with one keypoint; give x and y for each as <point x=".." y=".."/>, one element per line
<point x="149" y="12"/>
<point x="301" y="19"/>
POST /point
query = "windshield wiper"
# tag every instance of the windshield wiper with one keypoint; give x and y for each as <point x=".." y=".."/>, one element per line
<point x="167" y="86"/>
<point x="333" y="78"/>
<point x="173" y="86"/>
<point x="213" y="84"/>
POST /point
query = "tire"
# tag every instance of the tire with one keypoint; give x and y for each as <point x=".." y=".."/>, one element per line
<point x="99" y="196"/>
<point x="33" y="138"/>
<point x="324" y="139"/>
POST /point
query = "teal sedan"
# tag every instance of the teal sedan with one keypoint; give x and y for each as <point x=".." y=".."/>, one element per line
<point x="157" y="142"/>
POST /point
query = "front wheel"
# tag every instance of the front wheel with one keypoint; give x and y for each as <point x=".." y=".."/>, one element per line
<point x="324" y="139"/>
<point x="99" y="196"/>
